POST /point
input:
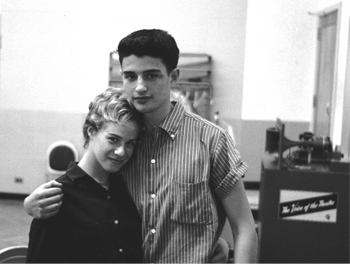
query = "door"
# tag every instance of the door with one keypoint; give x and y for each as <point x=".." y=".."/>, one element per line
<point x="325" y="79"/>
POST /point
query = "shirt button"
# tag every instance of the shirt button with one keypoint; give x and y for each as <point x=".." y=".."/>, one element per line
<point x="120" y="250"/>
<point x="153" y="196"/>
<point x="172" y="136"/>
<point x="153" y="161"/>
<point x="108" y="197"/>
<point x="153" y="231"/>
<point x="116" y="222"/>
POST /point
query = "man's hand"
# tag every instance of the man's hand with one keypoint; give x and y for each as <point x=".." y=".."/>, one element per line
<point x="220" y="252"/>
<point x="45" y="201"/>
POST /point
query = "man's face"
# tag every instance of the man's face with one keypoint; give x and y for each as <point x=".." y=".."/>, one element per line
<point x="147" y="84"/>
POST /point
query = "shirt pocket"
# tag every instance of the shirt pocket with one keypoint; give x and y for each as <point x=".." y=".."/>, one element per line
<point x="191" y="203"/>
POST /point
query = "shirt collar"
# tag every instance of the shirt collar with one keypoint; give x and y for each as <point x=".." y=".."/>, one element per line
<point x="172" y="121"/>
<point x="74" y="171"/>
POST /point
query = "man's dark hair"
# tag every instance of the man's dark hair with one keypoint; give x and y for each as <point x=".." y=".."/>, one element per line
<point x="150" y="42"/>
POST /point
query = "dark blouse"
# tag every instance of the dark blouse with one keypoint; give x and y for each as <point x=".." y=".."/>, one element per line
<point x="93" y="224"/>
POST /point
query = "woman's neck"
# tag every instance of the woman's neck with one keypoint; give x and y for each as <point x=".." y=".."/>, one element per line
<point x="96" y="172"/>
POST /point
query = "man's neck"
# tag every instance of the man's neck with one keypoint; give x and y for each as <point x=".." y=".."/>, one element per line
<point x="153" y="120"/>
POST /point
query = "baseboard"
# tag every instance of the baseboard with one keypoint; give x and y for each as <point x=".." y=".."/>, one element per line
<point x="13" y="196"/>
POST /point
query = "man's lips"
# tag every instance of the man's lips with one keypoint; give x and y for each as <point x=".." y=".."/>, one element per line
<point x="141" y="98"/>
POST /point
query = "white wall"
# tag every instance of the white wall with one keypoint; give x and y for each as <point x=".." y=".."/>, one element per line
<point x="55" y="59"/>
<point x="55" y="53"/>
<point x="280" y="57"/>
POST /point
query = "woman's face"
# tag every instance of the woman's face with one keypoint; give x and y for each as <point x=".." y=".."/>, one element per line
<point x="112" y="146"/>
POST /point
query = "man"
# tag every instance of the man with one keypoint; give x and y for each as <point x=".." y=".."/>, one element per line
<point x="185" y="175"/>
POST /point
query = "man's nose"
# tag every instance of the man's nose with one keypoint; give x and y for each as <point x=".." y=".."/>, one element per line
<point x="141" y="85"/>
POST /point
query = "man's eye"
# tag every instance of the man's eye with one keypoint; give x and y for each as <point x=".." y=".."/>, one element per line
<point x="129" y="76"/>
<point x="151" y="76"/>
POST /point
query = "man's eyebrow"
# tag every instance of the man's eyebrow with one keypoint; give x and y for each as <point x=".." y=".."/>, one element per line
<point x="147" y="71"/>
<point x="153" y="70"/>
<point x="128" y="72"/>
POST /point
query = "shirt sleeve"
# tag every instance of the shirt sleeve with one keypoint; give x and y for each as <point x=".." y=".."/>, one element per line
<point x="227" y="166"/>
<point x="45" y="241"/>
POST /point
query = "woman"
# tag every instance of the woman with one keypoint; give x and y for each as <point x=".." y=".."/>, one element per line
<point x="98" y="221"/>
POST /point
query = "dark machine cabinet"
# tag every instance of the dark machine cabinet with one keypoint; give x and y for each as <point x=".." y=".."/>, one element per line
<point x="304" y="213"/>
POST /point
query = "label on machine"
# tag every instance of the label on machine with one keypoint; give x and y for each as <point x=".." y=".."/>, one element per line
<point x="308" y="206"/>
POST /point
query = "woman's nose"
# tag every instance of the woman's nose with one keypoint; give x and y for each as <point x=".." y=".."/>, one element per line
<point x="120" y="151"/>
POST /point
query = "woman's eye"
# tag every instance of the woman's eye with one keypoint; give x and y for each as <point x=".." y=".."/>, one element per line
<point x="132" y="144"/>
<point x="114" y="140"/>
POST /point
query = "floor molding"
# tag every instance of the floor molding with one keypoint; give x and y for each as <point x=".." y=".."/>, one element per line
<point x="13" y="196"/>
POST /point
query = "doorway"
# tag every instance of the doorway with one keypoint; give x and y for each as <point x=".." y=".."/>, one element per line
<point x="326" y="72"/>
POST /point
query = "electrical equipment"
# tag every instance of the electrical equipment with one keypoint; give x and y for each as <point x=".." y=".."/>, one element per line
<point x="311" y="149"/>
<point x="303" y="214"/>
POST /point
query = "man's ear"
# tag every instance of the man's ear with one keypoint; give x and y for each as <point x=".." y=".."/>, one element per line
<point x="174" y="75"/>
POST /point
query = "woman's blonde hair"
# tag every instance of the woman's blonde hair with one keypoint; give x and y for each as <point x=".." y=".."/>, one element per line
<point x="110" y="106"/>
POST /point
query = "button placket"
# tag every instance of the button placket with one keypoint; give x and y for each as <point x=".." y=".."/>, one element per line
<point x="152" y="190"/>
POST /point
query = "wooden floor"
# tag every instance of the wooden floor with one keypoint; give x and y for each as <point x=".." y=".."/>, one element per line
<point x="14" y="223"/>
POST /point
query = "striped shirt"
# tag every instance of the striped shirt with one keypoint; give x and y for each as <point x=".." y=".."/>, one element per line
<point x="177" y="181"/>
